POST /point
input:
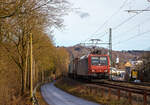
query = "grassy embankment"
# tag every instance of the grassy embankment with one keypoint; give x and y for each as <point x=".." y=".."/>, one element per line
<point x="40" y="99"/>
<point x="79" y="89"/>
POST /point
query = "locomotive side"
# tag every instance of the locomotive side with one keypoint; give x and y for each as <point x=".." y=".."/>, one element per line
<point x="90" y="66"/>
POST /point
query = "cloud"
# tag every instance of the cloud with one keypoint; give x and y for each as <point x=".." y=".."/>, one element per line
<point x="82" y="14"/>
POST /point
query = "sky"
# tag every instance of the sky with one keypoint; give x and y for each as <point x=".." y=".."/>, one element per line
<point x="91" y="19"/>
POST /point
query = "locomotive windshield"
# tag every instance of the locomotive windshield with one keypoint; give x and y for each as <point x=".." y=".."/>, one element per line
<point x="101" y="61"/>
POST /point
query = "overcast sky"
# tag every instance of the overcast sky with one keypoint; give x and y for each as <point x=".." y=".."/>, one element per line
<point x="91" y="19"/>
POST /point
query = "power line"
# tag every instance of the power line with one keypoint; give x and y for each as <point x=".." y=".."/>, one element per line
<point x="142" y="23"/>
<point x="133" y="37"/>
<point x="122" y="23"/>
<point x="128" y="19"/>
<point x="125" y="21"/>
<point x="101" y="35"/>
<point x="115" y="13"/>
<point x="135" y="11"/>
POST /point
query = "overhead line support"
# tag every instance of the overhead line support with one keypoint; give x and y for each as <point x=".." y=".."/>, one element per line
<point x="110" y="45"/>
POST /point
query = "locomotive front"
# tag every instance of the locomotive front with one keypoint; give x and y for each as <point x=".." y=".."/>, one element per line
<point x="98" y="66"/>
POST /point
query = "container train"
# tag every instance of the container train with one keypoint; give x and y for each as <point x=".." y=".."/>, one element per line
<point x="92" y="66"/>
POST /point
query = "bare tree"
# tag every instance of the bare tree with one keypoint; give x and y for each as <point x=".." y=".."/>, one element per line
<point x="19" y="18"/>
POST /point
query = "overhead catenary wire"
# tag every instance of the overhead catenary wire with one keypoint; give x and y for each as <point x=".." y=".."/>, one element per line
<point x="101" y="35"/>
<point x="128" y="19"/>
<point x="99" y="28"/>
<point x="115" y="13"/>
<point x="137" y="25"/>
<point x="132" y="37"/>
<point x="122" y="23"/>
<point x="125" y="21"/>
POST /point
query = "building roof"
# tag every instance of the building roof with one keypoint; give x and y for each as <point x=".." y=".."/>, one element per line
<point x="128" y="64"/>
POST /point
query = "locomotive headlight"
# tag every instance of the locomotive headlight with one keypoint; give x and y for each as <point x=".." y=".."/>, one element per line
<point x="106" y="70"/>
<point x="93" y="70"/>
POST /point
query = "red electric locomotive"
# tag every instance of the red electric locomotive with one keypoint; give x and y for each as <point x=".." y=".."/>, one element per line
<point x="90" y="66"/>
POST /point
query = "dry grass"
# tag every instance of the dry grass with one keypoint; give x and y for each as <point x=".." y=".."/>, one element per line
<point x="40" y="99"/>
<point x="78" y="89"/>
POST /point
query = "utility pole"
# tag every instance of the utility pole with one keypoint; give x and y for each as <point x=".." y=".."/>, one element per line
<point x="110" y="45"/>
<point x="31" y="73"/>
<point x="110" y="50"/>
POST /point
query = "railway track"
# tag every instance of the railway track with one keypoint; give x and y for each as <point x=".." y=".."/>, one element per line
<point x="145" y="85"/>
<point x="119" y="88"/>
<point x="141" y="85"/>
<point x="134" y="83"/>
<point x="125" y="88"/>
<point x="131" y="91"/>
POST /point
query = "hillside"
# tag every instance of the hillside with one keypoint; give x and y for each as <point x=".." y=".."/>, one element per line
<point x="78" y="51"/>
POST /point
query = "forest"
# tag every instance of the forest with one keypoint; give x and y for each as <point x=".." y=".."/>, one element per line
<point x="26" y="25"/>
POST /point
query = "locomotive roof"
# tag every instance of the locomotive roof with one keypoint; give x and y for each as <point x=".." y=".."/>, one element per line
<point x="98" y="55"/>
<point x="86" y="56"/>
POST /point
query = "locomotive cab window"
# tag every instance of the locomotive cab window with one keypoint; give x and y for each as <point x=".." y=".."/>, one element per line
<point x="99" y="60"/>
<point x="103" y="60"/>
<point x="95" y="60"/>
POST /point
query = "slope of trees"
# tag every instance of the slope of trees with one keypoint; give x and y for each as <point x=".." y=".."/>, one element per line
<point x="18" y="20"/>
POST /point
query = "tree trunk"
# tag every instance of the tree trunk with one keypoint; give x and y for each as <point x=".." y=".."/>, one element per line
<point x="26" y="68"/>
<point x="22" y="82"/>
